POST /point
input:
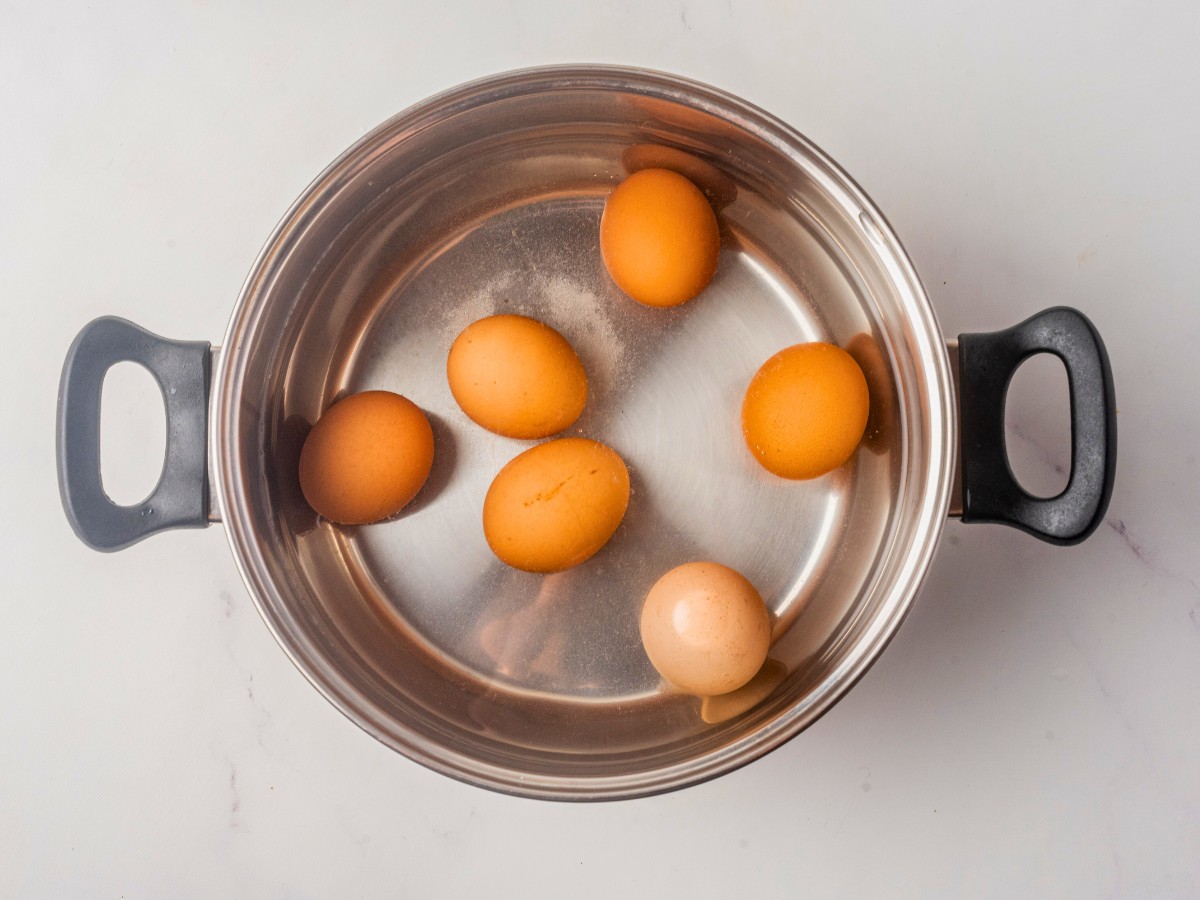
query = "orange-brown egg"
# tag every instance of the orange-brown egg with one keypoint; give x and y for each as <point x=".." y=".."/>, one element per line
<point x="366" y="458"/>
<point x="805" y="410"/>
<point x="705" y="628"/>
<point x="516" y="376"/>
<point x="556" y="504"/>
<point x="659" y="238"/>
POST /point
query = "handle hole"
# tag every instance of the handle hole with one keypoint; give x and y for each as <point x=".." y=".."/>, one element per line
<point x="133" y="433"/>
<point x="1037" y="426"/>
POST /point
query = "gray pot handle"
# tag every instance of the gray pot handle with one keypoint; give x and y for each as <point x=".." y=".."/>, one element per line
<point x="180" y="500"/>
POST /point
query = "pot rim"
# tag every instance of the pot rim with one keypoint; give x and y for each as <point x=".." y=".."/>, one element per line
<point x="931" y="512"/>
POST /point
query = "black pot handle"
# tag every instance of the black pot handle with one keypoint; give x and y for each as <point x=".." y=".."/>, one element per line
<point x="986" y="366"/>
<point x="181" y="498"/>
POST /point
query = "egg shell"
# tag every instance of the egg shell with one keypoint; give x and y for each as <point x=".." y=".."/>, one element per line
<point x="805" y="410"/>
<point x="659" y="238"/>
<point x="366" y="457"/>
<point x="556" y="504"/>
<point x="516" y="377"/>
<point x="705" y="628"/>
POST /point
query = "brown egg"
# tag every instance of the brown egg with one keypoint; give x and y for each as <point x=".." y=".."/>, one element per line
<point x="517" y="377"/>
<point x="659" y="238"/>
<point x="705" y="628"/>
<point x="805" y="410"/>
<point x="556" y="504"/>
<point x="366" y="458"/>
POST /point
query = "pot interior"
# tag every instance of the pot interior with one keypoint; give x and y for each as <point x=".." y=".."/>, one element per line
<point x="488" y="199"/>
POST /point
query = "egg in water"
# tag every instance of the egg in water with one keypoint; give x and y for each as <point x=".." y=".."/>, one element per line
<point x="517" y="377"/>
<point x="659" y="238"/>
<point x="555" y="505"/>
<point x="366" y="457"/>
<point x="805" y="410"/>
<point x="705" y="628"/>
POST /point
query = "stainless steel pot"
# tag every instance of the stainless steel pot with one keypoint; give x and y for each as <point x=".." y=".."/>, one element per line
<point x="487" y="198"/>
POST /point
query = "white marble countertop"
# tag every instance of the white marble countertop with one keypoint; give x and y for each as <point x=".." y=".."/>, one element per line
<point x="1034" y="729"/>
